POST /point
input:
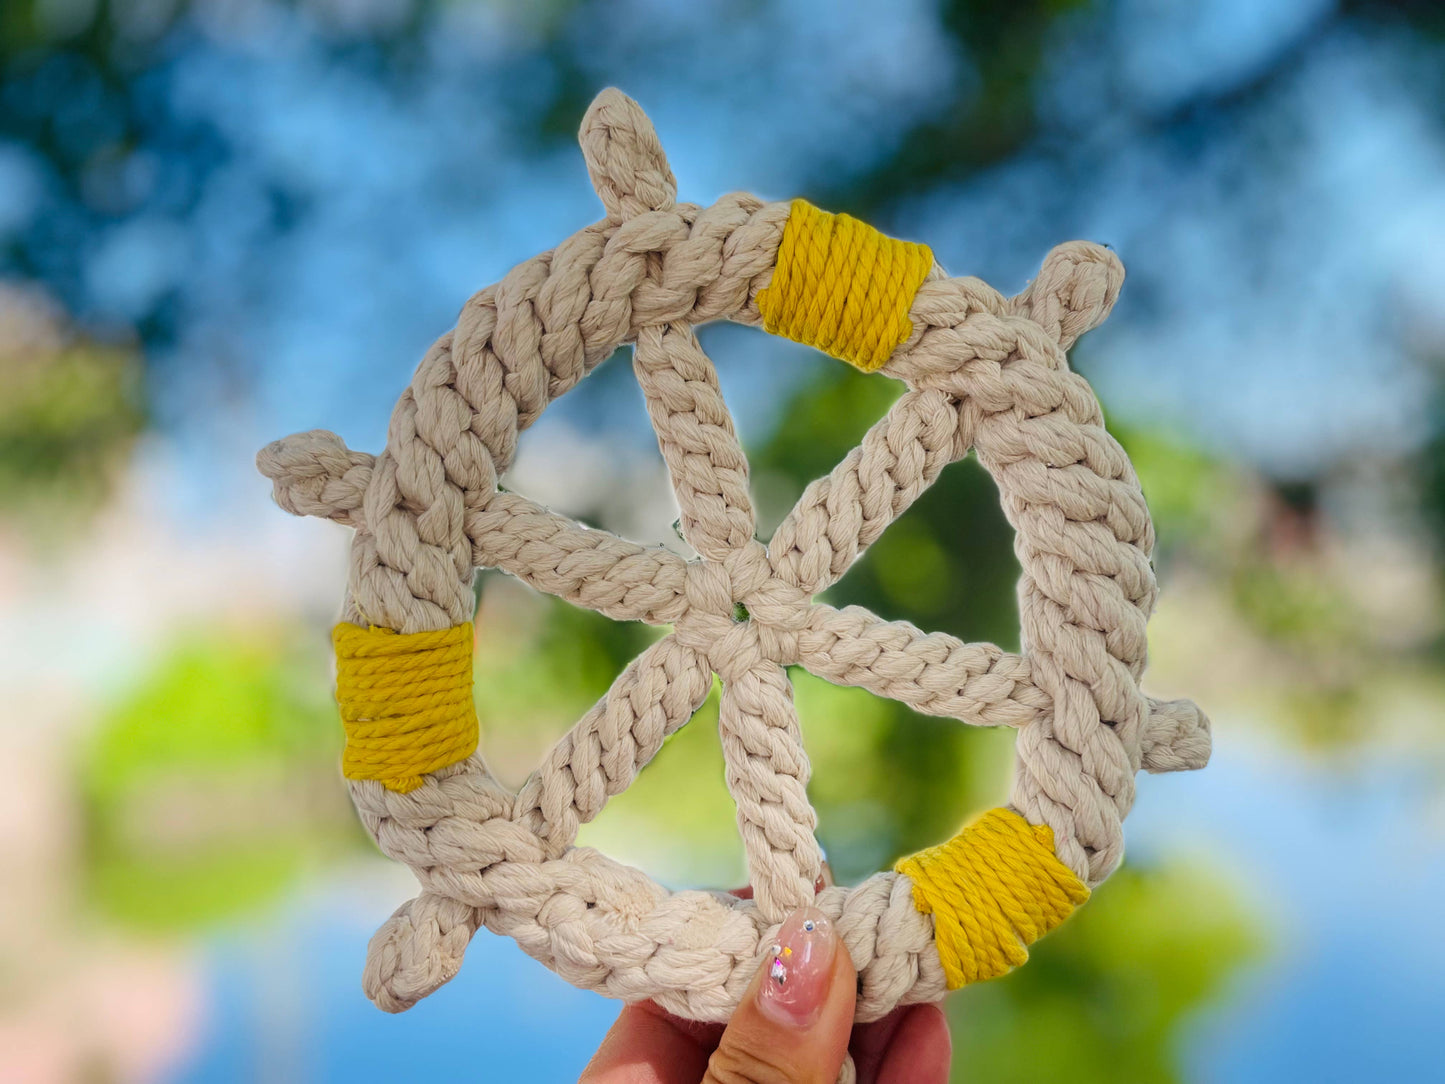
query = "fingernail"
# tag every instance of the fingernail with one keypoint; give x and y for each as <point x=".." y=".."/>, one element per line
<point x="798" y="969"/>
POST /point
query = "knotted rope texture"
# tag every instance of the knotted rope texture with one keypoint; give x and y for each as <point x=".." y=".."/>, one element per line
<point x="980" y="371"/>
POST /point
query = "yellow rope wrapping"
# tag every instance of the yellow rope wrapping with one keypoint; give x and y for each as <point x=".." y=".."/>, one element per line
<point x="406" y="702"/>
<point x="843" y="287"/>
<point x="993" y="889"/>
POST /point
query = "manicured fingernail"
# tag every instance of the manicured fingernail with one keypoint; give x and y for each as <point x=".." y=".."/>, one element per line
<point x="798" y="969"/>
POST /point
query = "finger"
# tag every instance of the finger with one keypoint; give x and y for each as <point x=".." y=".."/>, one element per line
<point x="647" y="1046"/>
<point x="908" y="1046"/>
<point x="792" y="1025"/>
<point x="870" y="1042"/>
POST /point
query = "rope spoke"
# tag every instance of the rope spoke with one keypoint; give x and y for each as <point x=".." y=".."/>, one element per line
<point x="931" y="672"/>
<point x="695" y="433"/>
<point x="842" y="514"/>
<point x="653" y="697"/>
<point x="587" y="567"/>
<point x="767" y="774"/>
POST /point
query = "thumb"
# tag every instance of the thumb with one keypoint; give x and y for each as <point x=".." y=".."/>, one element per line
<point x="792" y="1025"/>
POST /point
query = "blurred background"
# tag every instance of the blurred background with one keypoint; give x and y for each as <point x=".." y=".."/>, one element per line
<point x="222" y="221"/>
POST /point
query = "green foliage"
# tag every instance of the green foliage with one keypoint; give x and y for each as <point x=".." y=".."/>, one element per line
<point x="1294" y="604"/>
<point x="948" y="563"/>
<point x="206" y="789"/>
<point x="677" y="820"/>
<point x="215" y="702"/>
<point x="1430" y="466"/>
<point x="163" y="893"/>
<point x="540" y="665"/>
<point x="1194" y="498"/>
<point x="886" y="782"/>
<point x="1103" y="998"/>
<point x="987" y="118"/>
<point x="66" y="419"/>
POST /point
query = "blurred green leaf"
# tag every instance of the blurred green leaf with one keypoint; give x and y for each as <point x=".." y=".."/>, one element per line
<point x="68" y="418"/>
<point x="215" y="702"/>
<point x="1193" y="497"/>
<point x="947" y="564"/>
<point x="1103" y="998"/>
<point x="210" y="784"/>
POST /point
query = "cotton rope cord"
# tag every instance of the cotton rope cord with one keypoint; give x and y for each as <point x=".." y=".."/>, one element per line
<point x="406" y="702"/>
<point x="843" y="287"/>
<point x="979" y="371"/>
<point x="993" y="889"/>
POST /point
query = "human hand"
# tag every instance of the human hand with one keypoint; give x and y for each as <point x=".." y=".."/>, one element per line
<point x="794" y="1025"/>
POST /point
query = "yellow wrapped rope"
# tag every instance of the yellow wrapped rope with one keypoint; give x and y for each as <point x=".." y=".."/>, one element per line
<point x="843" y="287"/>
<point x="406" y="702"/>
<point x="993" y="889"/>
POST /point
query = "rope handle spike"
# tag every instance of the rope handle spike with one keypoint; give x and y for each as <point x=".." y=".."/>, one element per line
<point x="979" y="371"/>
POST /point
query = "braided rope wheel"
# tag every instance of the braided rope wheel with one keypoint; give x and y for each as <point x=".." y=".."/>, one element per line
<point x="982" y="372"/>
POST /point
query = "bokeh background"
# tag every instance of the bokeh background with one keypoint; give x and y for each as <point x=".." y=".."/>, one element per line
<point x="222" y="221"/>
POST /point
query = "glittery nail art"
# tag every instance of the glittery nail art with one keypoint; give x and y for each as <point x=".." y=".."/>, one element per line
<point x="799" y="966"/>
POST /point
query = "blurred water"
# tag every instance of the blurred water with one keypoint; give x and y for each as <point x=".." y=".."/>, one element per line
<point x="1345" y="865"/>
<point x="1341" y="862"/>
<point x="286" y="1004"/>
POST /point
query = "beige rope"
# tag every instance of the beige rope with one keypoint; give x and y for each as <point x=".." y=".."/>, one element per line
<point x="982" y="371"/>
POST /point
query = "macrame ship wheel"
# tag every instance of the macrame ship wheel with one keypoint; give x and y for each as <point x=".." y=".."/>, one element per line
<point x="982" y="372"/>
